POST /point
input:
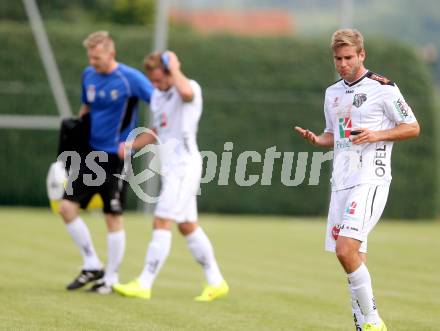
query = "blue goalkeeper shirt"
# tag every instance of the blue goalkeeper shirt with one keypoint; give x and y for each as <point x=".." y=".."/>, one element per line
<point x="113" y="101"/>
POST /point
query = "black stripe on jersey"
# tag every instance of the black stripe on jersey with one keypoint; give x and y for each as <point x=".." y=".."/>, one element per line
<point x="131" y="105"/>
<point x="378" y="78"/>
<point x="366" y="206"/>
<point x="357" y="81"/>
<point x="372" y="201"/>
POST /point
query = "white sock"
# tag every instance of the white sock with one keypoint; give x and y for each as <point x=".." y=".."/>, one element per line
<point x="360" y="282"/>
<point x="201" y="249"/>
<point x="81" y="236"/>
<point x="157" y="253"/>
<point x="356" y="310"/>
<point x="115" y="254"/>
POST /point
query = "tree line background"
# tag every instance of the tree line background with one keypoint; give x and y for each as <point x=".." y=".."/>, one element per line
<point x="255" y="90"/>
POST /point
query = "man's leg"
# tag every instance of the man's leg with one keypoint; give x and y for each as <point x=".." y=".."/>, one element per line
<point x="347" y="251"/>
<point x="160" y="244"/>
<point x="115" y="247"/>
<point x="157" y="252"/>
<point x="91" y="269"/>
<point x="112" y="192"/>
<point x="355" y="309"/>
<point x="202" y="251"/>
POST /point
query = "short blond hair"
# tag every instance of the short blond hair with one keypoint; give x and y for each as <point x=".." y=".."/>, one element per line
<point x="153" y="61"/>
<point x="97" y="38"/>
<point x="348" y="37"/>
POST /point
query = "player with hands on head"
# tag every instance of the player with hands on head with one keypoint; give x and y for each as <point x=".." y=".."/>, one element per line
<point x="176" y="107"/>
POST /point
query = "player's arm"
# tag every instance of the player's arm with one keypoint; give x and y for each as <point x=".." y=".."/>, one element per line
<point x="323" y="140"/>
<point x="402" y="131"/>
<point x="83" y="110"/>
<point x="181" y="82"/>
<point x="143" y="139"/>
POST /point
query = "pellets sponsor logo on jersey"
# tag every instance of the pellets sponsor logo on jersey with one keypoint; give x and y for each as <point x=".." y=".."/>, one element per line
<point x="359" y="99"/>
<point x="114" y="94"/>
<point x="402" y="108"/>
<point x="349" y="91"/>
<point x="344" y="127"/>
<point x="343" y="144"/>
<point x="351" y="209"/>
<point x="91" y="93"/>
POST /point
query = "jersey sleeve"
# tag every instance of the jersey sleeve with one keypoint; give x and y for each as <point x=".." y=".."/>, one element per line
<point x="197" y="90"/>
<point x="328" y="119"/>
<point x="141" y="86"/>
<point x="192" y="110"/>
<point x="395" y="106"/>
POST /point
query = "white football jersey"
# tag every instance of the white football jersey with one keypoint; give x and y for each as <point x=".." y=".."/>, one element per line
<point x="371" y="102"/>
<point x="176" y="123"/>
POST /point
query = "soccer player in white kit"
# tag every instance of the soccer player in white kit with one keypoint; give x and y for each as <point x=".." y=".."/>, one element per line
<point x="176" y="107"/>
<point x="364" y="114"/>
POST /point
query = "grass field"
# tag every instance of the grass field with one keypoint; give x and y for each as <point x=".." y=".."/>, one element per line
<point x="280" y="277"/>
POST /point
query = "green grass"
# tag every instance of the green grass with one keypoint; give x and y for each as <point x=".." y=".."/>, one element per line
<point x="280" y="277"/>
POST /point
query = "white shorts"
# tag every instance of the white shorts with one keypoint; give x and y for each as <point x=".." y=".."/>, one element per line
<point x="178" y="194"/>
<point x="354" y="212"/>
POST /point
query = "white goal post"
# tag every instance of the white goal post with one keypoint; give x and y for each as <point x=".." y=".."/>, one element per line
<point x="53" y="75"/>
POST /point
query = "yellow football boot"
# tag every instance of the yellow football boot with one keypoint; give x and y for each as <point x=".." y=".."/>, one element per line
<point x="211" y="293"/>
<point x="372" y="327"/>
<point x="132" y="289"/>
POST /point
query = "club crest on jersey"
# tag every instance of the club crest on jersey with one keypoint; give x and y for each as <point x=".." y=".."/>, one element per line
<point x="114" y="94"/>
<point x="91" y="93"/>
<point x="359" y="99"/>
<point x="344" y="127"/>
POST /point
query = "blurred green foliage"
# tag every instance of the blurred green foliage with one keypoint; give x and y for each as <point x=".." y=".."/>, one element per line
<point x="255" y="90"/>
<point x="131" y="12"/>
